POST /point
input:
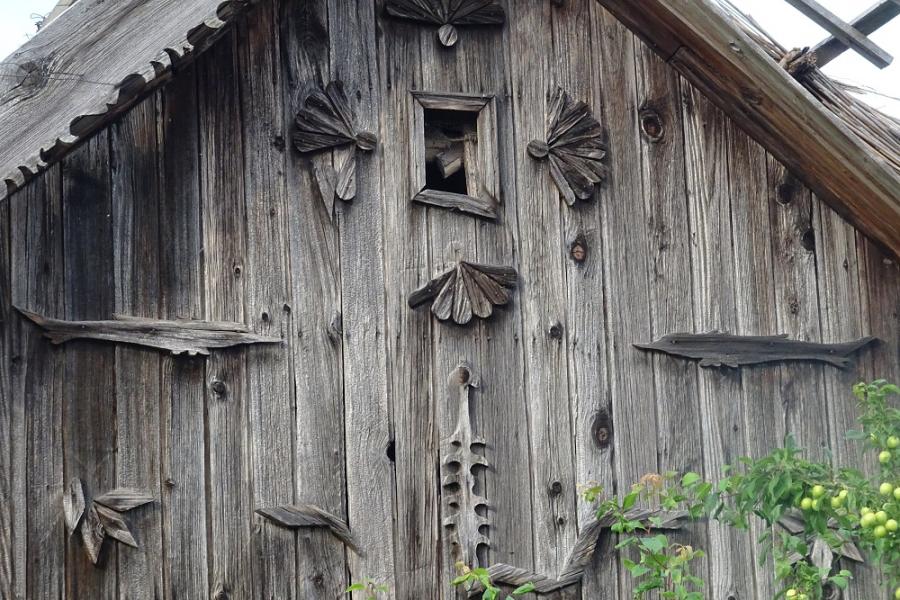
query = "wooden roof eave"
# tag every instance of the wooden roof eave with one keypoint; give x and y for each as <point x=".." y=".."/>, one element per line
<point x="716" y="56"/>
<point x="89" y="65"/>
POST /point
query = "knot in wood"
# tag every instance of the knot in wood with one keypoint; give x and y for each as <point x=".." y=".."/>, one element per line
<point x="601" y="430"/>
<point x="218" y="387"/>
<point x="538" y="149"/>
<point x="366" y="141"/>
<point x="652" y="125"/>
<point x="556" y="330"/>
<point x="448" y="35"/>
<point x="556" y="489"/>
<point x="808" y="240"/>
<point x="578" y="249"/>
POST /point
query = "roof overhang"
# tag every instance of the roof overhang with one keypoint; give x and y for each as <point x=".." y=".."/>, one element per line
<point x="712" y="52"/>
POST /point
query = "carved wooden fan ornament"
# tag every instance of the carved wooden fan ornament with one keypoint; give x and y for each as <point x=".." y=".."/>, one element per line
<point x="326" y="122"/>
<point x="465" y="290"/>
<point x="101" y="517"/>
<point x="448" y="14"/>
<point x="573" y="147"/>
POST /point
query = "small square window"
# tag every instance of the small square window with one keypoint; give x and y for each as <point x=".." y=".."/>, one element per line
<point x="454" y="152"/>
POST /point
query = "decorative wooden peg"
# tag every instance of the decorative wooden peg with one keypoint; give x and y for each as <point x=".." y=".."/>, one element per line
<point x="448" y="15"/>
<point x="461" y="454"/>
<point x="819" y="551"/>
<point x="465" y="290"/>
<point x="309" y="515"/>
<point x="101" y="517"/>
<point x="177" y="337"/>
<point x="574" y="148"/>
<point x="326" y="122"/>
<point x="721" y="349"/>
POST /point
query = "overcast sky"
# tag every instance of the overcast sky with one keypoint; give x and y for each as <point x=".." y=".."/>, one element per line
<point x="784" y="23"/>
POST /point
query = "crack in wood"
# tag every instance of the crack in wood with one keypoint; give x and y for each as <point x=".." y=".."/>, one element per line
<point x="177" y="337"/>
<point x="721" y="349"/>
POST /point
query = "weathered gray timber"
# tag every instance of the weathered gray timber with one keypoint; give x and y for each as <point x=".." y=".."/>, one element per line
<point x="437" y="12"/>
<point x="725" y="350"/>
<point x="465" y="290"/>
<point x="309" y="515"/>
<point x="178" y="337"/>
<point x="195" y="205"/>
<point x="49" y="86"/>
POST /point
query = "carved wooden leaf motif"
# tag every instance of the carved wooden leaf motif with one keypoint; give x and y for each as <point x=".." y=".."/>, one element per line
<point x="101" y="517"/>
<point x="461" y="455"/>
<point x="721" y="349"/>
<point x="574" y="148"/>
<point x="309" y="515"/>
<point x="582" y="554"/>
<point x="819" y="552"/>
<point x="448" y="14"/>
<point x="177" y="337"/>
<point x="326" y="122"/>
<point x="465" y="290"/>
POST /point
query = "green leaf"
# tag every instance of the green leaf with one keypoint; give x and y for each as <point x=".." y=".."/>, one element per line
<point x="629" y="500"/>
<point x="523" y="589"/>
<point x="689" y="479"/>
<point x="357" y="587"/>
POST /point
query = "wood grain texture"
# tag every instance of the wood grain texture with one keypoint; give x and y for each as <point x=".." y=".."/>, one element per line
<point x="313" y="240"/>
<point x="772" y="108"/>
<point x="223" y="220"/>
<point x="88" y="66"/>
<point x="367" y="405"/>
<point x="866" y="23"/>
<point x="267" y="298"/>
<point x="178" y="337"/>
<point x="89" y="405"/>
<point x="447" y="15"/>
<point x="182" y="382"/>
<point x="310" y="515"/>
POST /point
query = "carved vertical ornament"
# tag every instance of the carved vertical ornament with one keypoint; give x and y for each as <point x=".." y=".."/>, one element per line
<point x="574" y="148"/>
<point x="101" y="517"/>
<point x="461" y="455"/>
<point x="448" y="14"/>
<point x="326" y="122"/>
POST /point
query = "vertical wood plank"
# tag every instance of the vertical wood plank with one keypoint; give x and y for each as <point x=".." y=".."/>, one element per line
<point x="408" y="333"/>
<point x="223" y="222"/>
<point x="135" y="187"/>
<point x="38" y="283"/>
<point x="627" y="289"/>
<point x="542" y="297"/>
<point x="755" y="311"/>
<point x="270" y="384"/>
<point x="182" y="387"/>
<point x="89" y="420"/>
<point x="661" y="131"/>
<point x="370" y="476"/>
<point x="500" y="405"/>
<point x="882" y="283"/>
<point x="844" y="312"/>
<point x="713" y="277"/>
<point x="13" y="427"/>
<point x="316" y="313"/>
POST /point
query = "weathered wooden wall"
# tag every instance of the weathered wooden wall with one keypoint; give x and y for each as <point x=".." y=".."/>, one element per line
<point x="194" y="205"/>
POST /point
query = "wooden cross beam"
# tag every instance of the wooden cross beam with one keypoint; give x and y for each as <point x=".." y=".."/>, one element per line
<point x="843" y="31"/>
<point x="868" y="22"/>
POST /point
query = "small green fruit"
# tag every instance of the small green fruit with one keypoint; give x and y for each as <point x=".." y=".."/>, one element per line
<point x="897" y="493"/>
<point x="806" y="503"/>
<point x="893" y="442"/>
<point x="837" y="502"/>
<point x="818" y="491"/>
<point x="791" y="593"/>
<point x="881" y="517"/>
<point x="843" y="494"/>
<point x="865" y="510"/>
<point x="897" y="594"/>
<point x="880" y="531"/>
<point x="816" y="504"/>
<point x="886" y="489"/>
<point x="885" y="457"/>
<point x="891" y="525"/>
<point x="867" y="520"/>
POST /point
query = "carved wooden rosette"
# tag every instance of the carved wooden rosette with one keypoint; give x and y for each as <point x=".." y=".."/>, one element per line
<point x="582" y="553"/>
<point x="721" y="349"/>
<point x="177" y="337"/>
<point x="326" y="122"/>
<point x="296" y="516"/>
<point x="448" y="14"/>
<point x="819" y="552"/>
<point x="461" y="455"/>
<point x="465" y="290"/>
<point x="101" y="517"/>
<point x="574" y="148"/>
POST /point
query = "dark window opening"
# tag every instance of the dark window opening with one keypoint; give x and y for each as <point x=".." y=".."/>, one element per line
<point x="450" y="137"/>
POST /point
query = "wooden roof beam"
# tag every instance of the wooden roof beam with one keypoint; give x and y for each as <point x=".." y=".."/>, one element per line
<point x="867" y="23"/>
<point x="847" y="34"/>
<point x="710" y="50"/>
